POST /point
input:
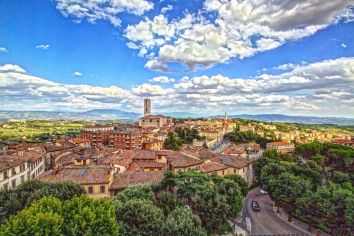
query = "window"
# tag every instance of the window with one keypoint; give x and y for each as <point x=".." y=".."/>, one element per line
<point x="6" y="186"/>
<point x="13" y="183"/>
<point x="102" y="189"/>
<point x="13" y="171"/>
<point x="6" y="176"/>
<point x="90" y="189"/>
<point x="22" y="179"/>
<point x="22" y="167"/>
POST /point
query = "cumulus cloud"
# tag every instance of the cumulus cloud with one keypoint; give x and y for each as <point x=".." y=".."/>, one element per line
<point x="78" y="73"/>
<point x="11" y="68"/>
<point x="322" y="88"/>
<point x="343" y="45"/>
<point x="240" y="29"/>
<point x="93" y="10"/>
<point x="162" y="79"/>
<point x="43" y="46"/>
<point x="3" y="50"/>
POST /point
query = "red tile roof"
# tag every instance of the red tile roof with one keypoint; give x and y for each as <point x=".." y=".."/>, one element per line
<point x="82" y="175"/>
<point x="212" y="167"/>
<point x="179" y="160"/>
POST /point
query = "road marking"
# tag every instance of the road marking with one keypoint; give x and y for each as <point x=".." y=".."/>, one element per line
<point x="248" y="224"/>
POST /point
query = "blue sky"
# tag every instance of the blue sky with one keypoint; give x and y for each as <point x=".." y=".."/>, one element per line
<point x="198" y="56"/>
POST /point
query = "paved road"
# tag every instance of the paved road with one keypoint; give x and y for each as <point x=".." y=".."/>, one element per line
<point x="265" y="222"/>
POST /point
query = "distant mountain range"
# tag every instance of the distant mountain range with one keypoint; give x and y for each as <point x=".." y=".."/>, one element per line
<point x="114" y="114"/>
<point x="297" y="119"/>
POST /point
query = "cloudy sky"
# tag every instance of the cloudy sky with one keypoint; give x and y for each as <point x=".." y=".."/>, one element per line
<point x="198" y="56"/>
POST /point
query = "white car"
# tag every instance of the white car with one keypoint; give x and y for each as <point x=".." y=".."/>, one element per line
<point x="263" y="192"/>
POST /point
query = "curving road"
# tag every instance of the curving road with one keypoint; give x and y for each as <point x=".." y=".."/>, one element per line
<point x="265" y="222"/>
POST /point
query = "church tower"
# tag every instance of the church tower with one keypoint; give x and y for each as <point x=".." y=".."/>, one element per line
<point x="147" y="107"/>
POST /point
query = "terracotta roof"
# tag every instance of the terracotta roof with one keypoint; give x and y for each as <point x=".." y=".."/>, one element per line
<point x="10" y="161"/>
<point x="234" y="151"/>
<point x="122" y="158"/>
<point x="82" y="175"/>
<point x="151" y="164"/>
<point x="66" y="159"/>
<point x="206" y="154"/>
<point x="144" y="155"/>
<point x="164" y="152"/>
<point x="80" y="140"/>
<point x="125" y="179"/>
<point x="211" y="167"/>
<point x="179" y="160"/>
<point x="235" y="161"/>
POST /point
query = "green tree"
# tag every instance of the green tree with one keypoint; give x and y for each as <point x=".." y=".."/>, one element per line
<point x="232" y="193"/>
<point x="85" y="216"/>
<point x="167" y="201"/>
<point x="141" y="191"/>
<point x="286" y="188"/>
<point x="16" y="199"/>
<point x="173" y="142"/>
<point x="139" y="217"/>
<point x="43" y="217"/>
<point x="241" y="182"/>
<point x="182" y="221"/>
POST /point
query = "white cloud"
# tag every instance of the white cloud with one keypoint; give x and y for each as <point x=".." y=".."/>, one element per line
<point x="162" y="79"/>
<point x="166" y="9"/>
<point x="11" y="68"/>
<point x="78" y="73"/>
<point x="240" y="29"/>
<point x="321" y="88"/>
<point x="3" y="50"/>
<point x="343" y="45"/>
<point x="43" y="46"/>
<point x="93" y="10"/>
<point x="148" y="89"/>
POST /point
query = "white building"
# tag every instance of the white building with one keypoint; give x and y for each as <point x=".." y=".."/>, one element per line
<point x="20" y="167"/>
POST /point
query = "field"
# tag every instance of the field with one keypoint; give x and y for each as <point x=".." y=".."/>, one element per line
<point x="38" y="130"/>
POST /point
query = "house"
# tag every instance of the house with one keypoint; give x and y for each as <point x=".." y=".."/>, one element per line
<point x="238" y="165"/>
<point x="182" y="162"/>
<point x="82" y="142"/>
<point x="95" y="178"/>
<point x="210" y="167"/>
<point x="22" y="166"/>
<point x="126" y="179"/>
<point x="283" y="147"/>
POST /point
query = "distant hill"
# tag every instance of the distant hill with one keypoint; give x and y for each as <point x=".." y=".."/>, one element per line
<point x="115" y="114"/>
<point x="297" y="119"/>
<point x="112" y="113"/>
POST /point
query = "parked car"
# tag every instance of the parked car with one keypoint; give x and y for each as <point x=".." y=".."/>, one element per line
<point x="255" y="206"/>
<point x="263" y="192"/>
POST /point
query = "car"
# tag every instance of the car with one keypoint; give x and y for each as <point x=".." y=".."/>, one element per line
<point x="263" y="192"/>
<point x="255" y="206"/>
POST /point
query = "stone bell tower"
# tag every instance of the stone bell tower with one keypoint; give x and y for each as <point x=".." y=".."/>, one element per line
<point x="147" y="107"/>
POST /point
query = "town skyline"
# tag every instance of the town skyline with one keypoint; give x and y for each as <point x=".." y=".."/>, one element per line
<point x="202" y="57"/>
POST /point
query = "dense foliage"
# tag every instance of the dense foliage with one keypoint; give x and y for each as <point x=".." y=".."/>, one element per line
<point x="51" y="216"/>
<point x="188" y="135"/>
<point x="173" y="142"/>
<point x="315" y="185"/>
<point x="188" y="203"/>
<point x="14" y="200"/>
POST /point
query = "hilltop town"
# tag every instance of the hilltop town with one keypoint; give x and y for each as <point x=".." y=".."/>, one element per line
<point x="106" y="159"/>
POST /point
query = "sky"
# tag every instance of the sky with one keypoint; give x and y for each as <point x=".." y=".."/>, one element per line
<point x="198" y="56"/>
